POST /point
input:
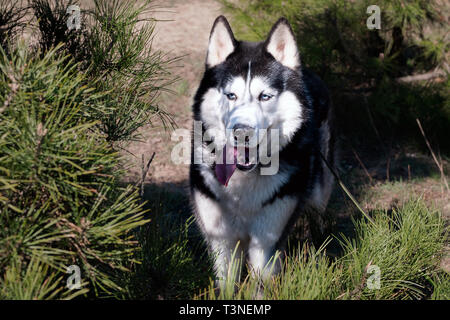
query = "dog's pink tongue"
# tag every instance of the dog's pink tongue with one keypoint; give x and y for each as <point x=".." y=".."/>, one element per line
<point x="224" y="171"/>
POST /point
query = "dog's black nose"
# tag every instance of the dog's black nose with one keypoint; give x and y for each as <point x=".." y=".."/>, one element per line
<point x="242" y="132"/>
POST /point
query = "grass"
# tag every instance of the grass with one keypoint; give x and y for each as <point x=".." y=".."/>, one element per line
<point x="441" y="285"/>
<point x="404" y="245"/>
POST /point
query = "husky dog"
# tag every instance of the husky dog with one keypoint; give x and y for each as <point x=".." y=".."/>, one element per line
<point x="249" y="88"/>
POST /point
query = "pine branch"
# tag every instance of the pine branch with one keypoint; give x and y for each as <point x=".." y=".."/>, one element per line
<point x="145" y="172"/>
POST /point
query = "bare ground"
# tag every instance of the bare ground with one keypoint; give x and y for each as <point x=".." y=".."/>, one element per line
<point x="184" y="33"/>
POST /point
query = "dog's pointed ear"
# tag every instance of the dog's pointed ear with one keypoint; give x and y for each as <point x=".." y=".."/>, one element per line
<point x="281" y="44"/>
<point x="221" y="42"/>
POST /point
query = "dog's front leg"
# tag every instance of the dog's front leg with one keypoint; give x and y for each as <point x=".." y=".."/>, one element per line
<point x="266" y="230"/>
<point x="228" y="260"/>
<point x="263" y="260"/>
<point x="220" y="235"/>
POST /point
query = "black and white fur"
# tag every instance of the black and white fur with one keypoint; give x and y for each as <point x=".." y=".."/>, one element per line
<point x="257" y="210"/>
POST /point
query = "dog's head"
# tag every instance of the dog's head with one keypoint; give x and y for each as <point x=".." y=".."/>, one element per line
<point x="250" y="89"/>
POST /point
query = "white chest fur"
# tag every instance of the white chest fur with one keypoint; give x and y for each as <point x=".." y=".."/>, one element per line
<point x="246" y="191"/>
<point x="239" y="214"/>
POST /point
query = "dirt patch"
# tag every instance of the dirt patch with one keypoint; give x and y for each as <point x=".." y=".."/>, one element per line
<point x="182" y="32"/>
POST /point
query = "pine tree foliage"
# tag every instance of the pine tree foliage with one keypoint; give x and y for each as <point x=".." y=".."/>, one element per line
<point x="63" y="105"/>
<point x="59" y="199"/>
<point x="113" y="47"/>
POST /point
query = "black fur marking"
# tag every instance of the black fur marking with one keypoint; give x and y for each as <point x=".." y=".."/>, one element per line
<point x="197" y="182"/>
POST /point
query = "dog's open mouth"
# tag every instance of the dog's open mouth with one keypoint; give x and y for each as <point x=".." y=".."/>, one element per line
<point x="243" y="162"/>
<point x="239" y="157"/>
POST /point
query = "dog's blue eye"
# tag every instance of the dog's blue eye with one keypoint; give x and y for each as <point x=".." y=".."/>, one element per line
<point x="265" y="97"/>
<point x="231" y="96"/>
